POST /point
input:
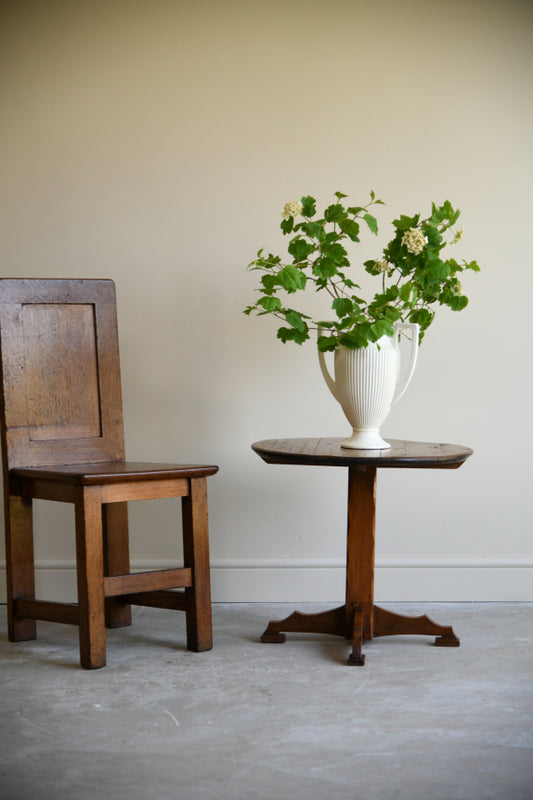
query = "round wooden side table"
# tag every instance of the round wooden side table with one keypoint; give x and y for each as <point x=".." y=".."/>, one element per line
<point x="359" y="619"/>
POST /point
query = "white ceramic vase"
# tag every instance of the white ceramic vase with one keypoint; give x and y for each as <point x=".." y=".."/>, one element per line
<point x="366" y="382"/>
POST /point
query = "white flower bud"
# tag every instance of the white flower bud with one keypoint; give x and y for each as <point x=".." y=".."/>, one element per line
<point x="383" y="266"/>
<point x="292" y="209"/>
<point x="458" y="289"/>
<point x="458" y="235"/>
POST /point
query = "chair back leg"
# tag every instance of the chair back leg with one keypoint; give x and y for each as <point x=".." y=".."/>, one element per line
<point x="116" y="560"/>
<point x="20" y="565"/>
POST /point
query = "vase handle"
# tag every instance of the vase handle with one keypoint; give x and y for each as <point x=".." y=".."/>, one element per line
<point x="324" y="368"/>
<point x="415" y="329"/>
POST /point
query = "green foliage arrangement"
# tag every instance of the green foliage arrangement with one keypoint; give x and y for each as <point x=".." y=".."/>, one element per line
<point x="412" y="275"/>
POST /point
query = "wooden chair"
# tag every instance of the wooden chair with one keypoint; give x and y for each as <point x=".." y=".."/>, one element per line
<point x="62" y="440"/>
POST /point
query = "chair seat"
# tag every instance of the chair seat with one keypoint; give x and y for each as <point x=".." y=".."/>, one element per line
<point x="113" y="472"/>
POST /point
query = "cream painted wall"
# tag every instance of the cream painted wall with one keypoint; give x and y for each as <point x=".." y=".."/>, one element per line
<point x="155" y="143"/>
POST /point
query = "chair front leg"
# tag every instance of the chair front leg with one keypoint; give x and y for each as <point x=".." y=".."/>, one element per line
<point x="196" y="556"/>
<point x="90" y="572"/>
<point x="20" y="565"/>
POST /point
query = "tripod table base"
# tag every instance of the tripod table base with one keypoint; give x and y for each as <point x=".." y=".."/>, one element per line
<point x="349" y="624"/>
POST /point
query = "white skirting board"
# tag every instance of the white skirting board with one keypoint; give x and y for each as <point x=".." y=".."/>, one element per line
<point x="279" y="580"/>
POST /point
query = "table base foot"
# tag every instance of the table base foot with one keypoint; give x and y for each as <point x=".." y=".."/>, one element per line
<point x="386" y="623"/>
<point x="332" y="622"/>
<point x="356" y="658"/>
<point x="273" y="638"/>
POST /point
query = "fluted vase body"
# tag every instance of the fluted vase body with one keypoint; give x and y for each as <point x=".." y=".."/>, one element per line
<point x="365" y="384"/>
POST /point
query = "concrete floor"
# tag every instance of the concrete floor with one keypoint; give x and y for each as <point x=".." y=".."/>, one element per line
<point x="252" y="721"/>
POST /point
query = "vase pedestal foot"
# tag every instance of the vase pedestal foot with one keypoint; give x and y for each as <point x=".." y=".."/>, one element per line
<point x="365" y="440"/>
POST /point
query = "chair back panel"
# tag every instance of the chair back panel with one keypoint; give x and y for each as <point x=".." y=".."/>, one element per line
<point x="60" y="372"/>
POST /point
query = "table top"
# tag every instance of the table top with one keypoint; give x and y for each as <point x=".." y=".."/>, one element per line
<point x="329" y="453"/>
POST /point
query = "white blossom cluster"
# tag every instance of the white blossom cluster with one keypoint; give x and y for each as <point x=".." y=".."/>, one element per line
<point x="292" y="209"/>
<point x="383" y="266"/>
<point x="414" y="240"/>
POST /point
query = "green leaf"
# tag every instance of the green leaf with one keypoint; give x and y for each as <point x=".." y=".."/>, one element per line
<point x="315" y="230"/>
<point x="388" y="296"/>
<point x="422" y="316"/>
<point x="454" y="266"/>
<point x="405" y="291"/>
<point x="291" y="278"/>
<point x="438" y="270"/>
<point x="455" y="301"/>
<point x="458" y="303"/>
<point x="326" y="343"/>
<point x="270" y="303"/>
<point x="269" y="283"/>
<point x="334" y="213"/>
<point x="268" y="262"/>
<point x="308" y="206"/>
<point x="371" y="222"/>
<point x="287" y="225"/>
<point x="340" y="195"/>
<point x="292" y="335"/>
<point x="295" y="320"/>
<point x="347" y="282"/>
<point x="356" y="338"/>
<point x="342" y="306"/>
<point x="337" y="252"/>
<point x="454" y="217"/>
<point x="391" y="313"/>
<point x="448" y="209"/>
<point x="325" y="267"/>
<point x="374" y="200"/>
<point x="370" y="267"/>
<point x="433" y="236"/>
<point x="381" y="327"/>
<point x="300" y="249"/>
<point x="404" y="222"/>
<point x="350" y="228"/>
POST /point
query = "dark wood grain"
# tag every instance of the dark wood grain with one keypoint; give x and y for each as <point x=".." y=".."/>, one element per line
<point x="196" y="557"/>
<point x="63" y="440"/>
<point x="329" y="453"/>
<point x="60" y="372"/>
<point x="121" y="585"/>
<point x="90" y="575"/>
<point x="116" y="560"/>
<point x="20" y="572"/>
<point x="113" y="472"/>
<point x="60" y="352"/>
<point x="31" y="610"/>
<point x="360" y="546"/>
